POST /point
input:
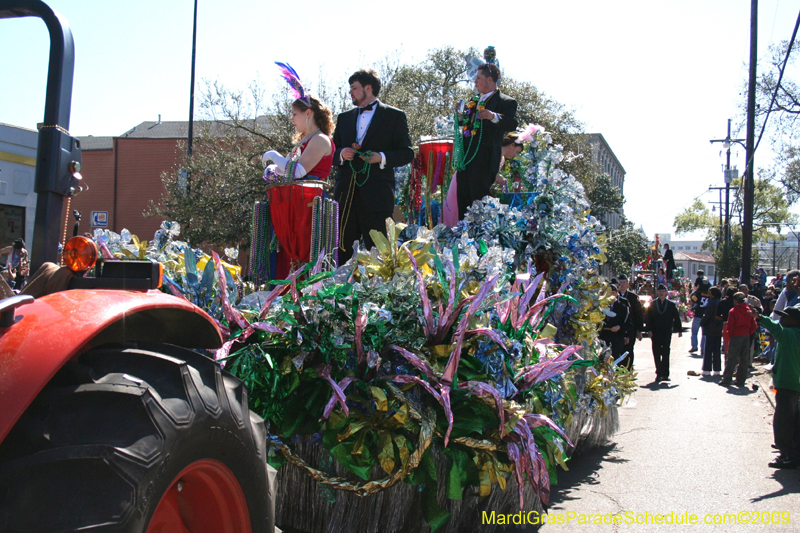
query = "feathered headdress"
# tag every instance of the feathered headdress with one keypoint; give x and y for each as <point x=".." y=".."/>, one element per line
<point x="295" y="85"/>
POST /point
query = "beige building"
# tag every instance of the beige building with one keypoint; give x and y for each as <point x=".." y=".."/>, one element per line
<point x="691" y="263"/>
<point x="17" y="176"/>
<point x="604" y="157"/>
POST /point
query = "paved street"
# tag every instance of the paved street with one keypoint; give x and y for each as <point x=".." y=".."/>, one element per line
<point x="686" y="446"/>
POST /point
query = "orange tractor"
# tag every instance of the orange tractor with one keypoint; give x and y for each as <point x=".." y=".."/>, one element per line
<point x="111" y="417"/>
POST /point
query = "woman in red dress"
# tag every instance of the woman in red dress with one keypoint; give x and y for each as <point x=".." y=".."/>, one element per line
<point x="290" y="196"/>
<point x="312" y="156"/>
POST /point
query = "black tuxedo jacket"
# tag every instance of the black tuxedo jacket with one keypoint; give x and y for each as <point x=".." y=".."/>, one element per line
<point x="387" y="133"/>
<point x="637" y="313"/>
<point x="491" y="148"/>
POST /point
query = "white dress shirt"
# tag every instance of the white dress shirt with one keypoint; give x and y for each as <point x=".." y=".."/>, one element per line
<point x="485" y="97"/>
<point x="362" y="125"/>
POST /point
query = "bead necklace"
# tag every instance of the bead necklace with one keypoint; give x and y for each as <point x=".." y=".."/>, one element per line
<point x="468" y="125"/>
<point x="364" y="170"/>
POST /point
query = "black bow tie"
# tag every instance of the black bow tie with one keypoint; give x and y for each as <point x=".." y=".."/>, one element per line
<point x="366" y="107"/>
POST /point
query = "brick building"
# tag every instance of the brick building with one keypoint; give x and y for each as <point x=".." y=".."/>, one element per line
<point x="124" y="173"/>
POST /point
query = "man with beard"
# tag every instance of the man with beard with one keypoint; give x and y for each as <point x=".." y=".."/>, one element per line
<point x="371" y="140"/>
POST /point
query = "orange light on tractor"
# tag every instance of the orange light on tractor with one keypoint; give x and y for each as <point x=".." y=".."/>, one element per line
<point x="80" y="254"/>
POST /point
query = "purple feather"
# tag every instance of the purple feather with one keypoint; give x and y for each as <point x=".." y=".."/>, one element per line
<point x="291" y="77"/>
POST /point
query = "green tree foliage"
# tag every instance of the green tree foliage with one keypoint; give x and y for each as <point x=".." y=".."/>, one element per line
<point x="783" y="126"/>
<point x="627" y="246"/>
<point x="213" y="192"/>
<point x="785" y="110"/>
<point x="771" y="209"/>
<point x="606" y="198"/>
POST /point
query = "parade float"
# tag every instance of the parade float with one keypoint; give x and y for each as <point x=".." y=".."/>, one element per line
<point x="444" y="372"/>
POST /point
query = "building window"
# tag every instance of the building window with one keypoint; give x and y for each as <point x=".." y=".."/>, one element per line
<point x="12" y="224"/>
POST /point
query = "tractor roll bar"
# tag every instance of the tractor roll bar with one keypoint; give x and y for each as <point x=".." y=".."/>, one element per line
<point x="57" y="151"/>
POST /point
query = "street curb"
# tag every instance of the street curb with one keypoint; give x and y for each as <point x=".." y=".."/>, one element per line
<point x="757" y="375"/>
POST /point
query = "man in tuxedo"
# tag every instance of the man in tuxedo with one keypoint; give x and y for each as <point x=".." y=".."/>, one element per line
<point x="637" y="318"/>
<point x="371" y="140"/>
<point x="499" y="117"/>
<point x="669" y="262"/>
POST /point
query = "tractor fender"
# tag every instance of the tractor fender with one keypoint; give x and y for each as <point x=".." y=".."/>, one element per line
<point x="55" y="328"/>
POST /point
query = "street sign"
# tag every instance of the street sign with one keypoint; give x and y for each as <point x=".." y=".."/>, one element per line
<point x="99" y="219"/>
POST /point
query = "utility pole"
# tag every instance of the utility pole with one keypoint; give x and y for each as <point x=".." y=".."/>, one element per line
<point x="191" y="89"/>
<point x="774" y="255"/>
<point x="720" y="203"/>
<point x="730" y="176"/>
<point x="749" y="183"/>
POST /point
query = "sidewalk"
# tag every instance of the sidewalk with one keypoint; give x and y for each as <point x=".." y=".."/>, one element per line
<point x="684" y="446"/>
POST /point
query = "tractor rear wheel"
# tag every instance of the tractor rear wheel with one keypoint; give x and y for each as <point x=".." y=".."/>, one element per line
<point x="138" y="439"/>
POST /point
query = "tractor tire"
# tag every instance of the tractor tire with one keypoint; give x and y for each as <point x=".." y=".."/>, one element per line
<point x="138" y="438"/>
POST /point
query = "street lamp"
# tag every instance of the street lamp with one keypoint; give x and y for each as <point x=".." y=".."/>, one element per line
<point x="730" y="175"/>
<point x="191" y="89"/>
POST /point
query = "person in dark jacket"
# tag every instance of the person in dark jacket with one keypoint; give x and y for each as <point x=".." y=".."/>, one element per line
<point x="636" y="318"/>
<point x="616" y="325"/>
<point x="712" y="331"/>
<point x="723" y="308"/>
<point x="699" y="299"/>
<point x="661" y="320"/>
<point x="669" y="262"/>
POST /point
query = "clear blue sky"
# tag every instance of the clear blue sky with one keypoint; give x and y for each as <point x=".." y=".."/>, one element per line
<point x="658" y="78"/>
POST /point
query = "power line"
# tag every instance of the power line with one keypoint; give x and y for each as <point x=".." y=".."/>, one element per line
<point x="775" y="92"/>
